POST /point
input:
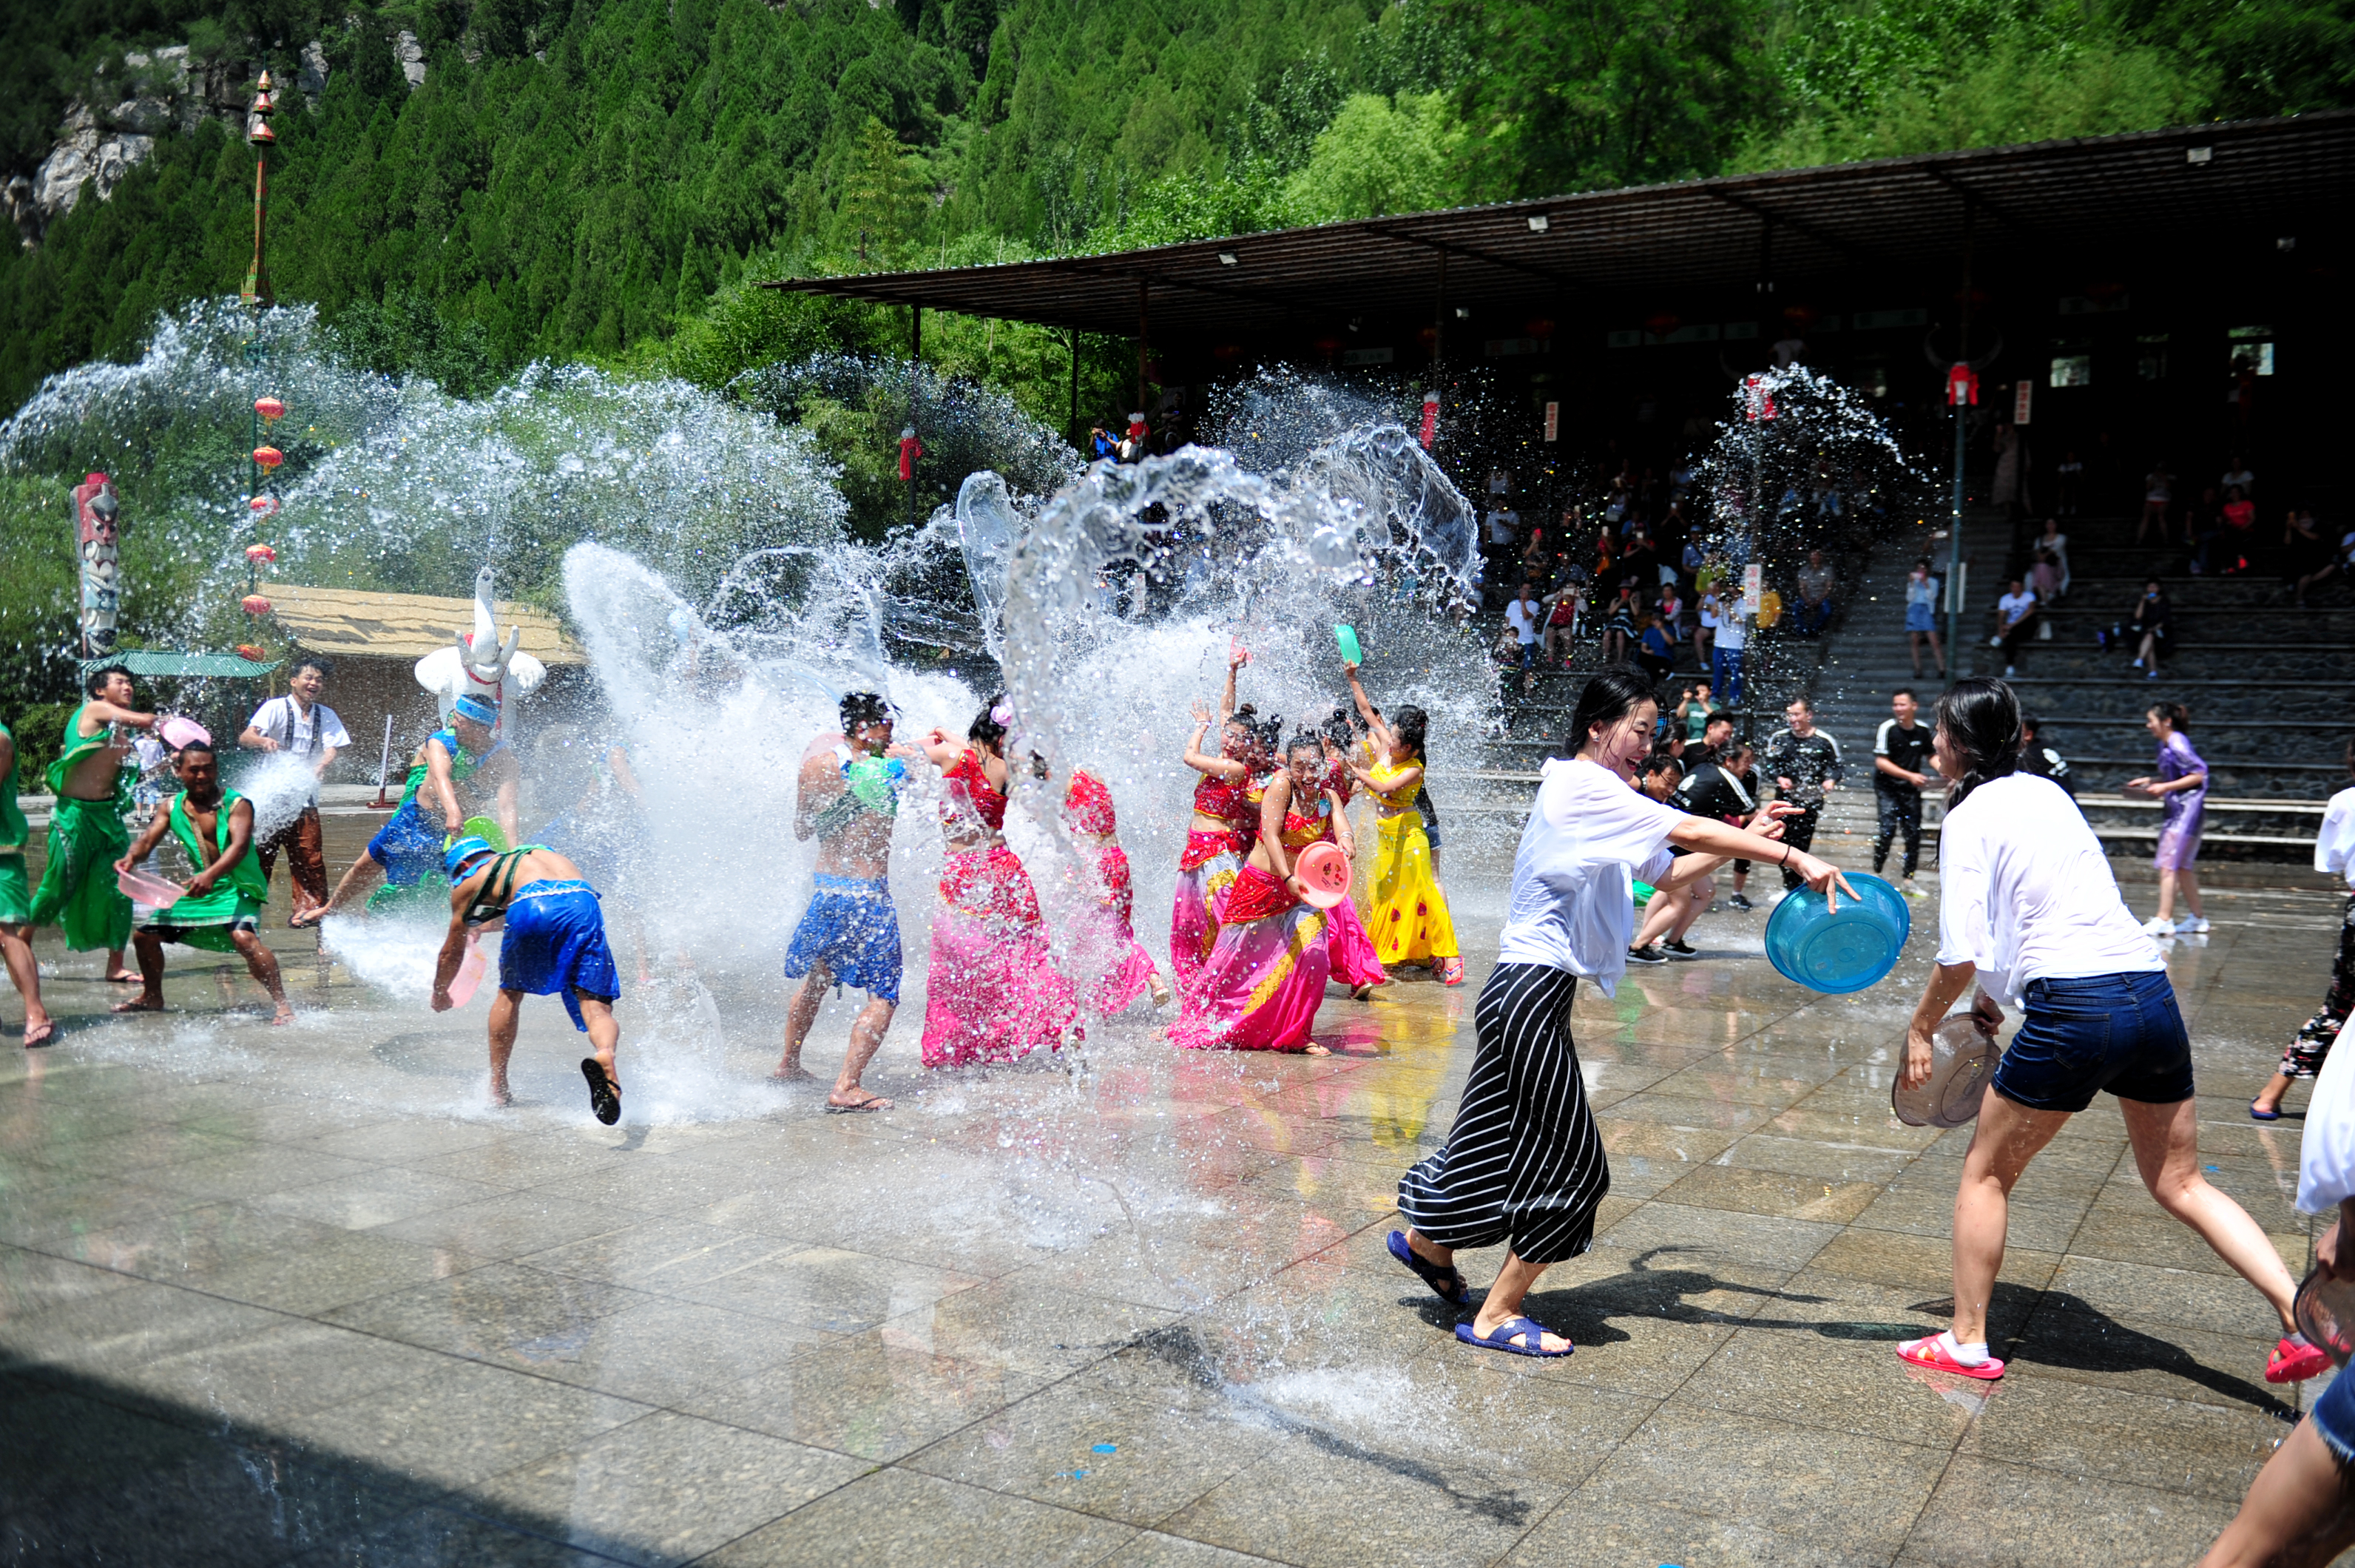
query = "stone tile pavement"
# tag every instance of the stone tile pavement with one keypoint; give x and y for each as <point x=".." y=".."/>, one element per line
<point x="294" y="1296"/>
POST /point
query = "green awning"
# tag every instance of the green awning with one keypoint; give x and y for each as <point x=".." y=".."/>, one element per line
<point x="159" y="662"/>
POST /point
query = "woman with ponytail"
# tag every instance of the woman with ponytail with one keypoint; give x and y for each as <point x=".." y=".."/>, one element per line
<point x="993" y="993"/>
<point x="1219" y="836"/>
<point x="1524" y="1164"/>
<point x="2030" y="910"/>
<point x="2183" y="784"/>
<point x="1406" y="909"/>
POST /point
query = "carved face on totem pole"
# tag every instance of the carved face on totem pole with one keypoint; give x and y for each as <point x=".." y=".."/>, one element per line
<point x="97" y="533"/>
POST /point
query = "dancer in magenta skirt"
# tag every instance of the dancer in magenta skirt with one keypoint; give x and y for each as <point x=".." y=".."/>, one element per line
<point x="1265" y="976"/>
<point x="991" y="993"/>
<point x="1111" y="939"/>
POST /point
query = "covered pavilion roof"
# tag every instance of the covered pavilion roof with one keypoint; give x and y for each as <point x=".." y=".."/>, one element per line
<point x="2084" y="200"/>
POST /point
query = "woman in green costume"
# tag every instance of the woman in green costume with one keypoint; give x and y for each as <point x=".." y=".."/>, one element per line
<point x="85" y="831"/>
<point x="16" y="901"/>
<point x="221" y="910"/>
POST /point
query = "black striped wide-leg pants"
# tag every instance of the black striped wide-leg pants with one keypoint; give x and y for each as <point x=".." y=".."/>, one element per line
<point x="1524" y="1162"/>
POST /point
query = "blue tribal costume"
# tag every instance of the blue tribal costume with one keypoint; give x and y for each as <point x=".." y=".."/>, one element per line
<point x="555" y="941"/>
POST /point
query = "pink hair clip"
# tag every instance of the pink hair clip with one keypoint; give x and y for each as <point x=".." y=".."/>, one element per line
<point x="1002" y="714"/>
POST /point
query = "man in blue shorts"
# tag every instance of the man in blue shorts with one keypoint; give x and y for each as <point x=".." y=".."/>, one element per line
<point x="849" y="935"/>
<point x="460" y="773"/>
<point x="554" y="947"/>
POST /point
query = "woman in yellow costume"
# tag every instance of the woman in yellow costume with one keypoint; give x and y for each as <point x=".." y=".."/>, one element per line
<point x="1406" y="910"/>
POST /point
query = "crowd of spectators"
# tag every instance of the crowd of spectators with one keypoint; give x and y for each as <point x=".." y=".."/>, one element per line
<point x="1629" y="573"/>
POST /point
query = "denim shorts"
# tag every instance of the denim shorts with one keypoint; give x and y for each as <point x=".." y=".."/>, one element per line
<point x="2091" y="1032"/>
<point x="2334" y="1417"/>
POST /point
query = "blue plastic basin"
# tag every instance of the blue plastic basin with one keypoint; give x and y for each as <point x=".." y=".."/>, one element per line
<point x="1839" y="952"/>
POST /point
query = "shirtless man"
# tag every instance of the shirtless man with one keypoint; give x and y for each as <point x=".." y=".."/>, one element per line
<point x="554" y="947"/>
<point x="850" y="933"/>
<point x="221" y="911"/>
<point x="453" y="774"/>
<point x="85" y="831"/>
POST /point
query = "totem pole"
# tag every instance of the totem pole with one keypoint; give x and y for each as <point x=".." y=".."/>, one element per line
<point x="97" y="530"/>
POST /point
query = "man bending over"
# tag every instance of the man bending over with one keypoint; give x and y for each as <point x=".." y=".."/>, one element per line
<point x="554" y="947"/>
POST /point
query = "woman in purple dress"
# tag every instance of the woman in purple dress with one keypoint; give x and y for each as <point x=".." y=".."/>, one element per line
<point x="2183" y="785"/>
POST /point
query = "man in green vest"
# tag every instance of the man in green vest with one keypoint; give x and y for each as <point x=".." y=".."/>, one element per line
<point x="220" y="912"/>
<point x="16" y="901"/>
<point x="86" y="832"/>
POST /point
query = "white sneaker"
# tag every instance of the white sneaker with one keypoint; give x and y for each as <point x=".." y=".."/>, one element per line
<point x="1912" y="888"/>
<point x="2158" y="925"/>
<point x="2191" y="925"/>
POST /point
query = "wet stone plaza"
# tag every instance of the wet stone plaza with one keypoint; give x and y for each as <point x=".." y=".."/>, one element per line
<point x="297" y="1296"/>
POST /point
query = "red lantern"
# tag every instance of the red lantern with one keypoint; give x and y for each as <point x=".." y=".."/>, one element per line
<point x="254" y="604"/>
<point x="260" y="553"/>
<point x="910" y="449"/>
<point x="1539" y="326"/>
<point x="270" y="408"/>
<point x="263" y="506"/>
<point x="252" y="655"/>
<point x="1662" y="324"/>
<point x="269" y="456"/>
<point x="1962" y="386"/>
<point x="1430" y="418"/>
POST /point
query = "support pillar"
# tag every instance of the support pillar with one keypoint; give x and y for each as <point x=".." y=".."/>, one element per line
<point x="915" y="361"/>
<point x="1143" y="330"/>
<point x="1954" y="528"/>
<point x="1071" y="430"/>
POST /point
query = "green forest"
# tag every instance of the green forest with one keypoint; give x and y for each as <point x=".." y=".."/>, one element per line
<point x="602" y="179"/>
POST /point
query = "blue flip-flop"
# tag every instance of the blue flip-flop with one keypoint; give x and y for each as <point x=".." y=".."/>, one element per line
<point x="1432" y="1275"/>
<point x="2257" y="1115"/>
<point x="1526" y="1329"/>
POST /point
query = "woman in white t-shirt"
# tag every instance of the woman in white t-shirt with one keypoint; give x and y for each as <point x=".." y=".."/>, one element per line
<point x="2030" y="909"/>
<point x="1524" y="1163"/>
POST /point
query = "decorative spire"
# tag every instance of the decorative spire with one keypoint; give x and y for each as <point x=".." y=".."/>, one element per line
<point x="257" y="292"/>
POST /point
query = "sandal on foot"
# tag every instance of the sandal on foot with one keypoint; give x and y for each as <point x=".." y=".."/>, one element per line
<point x="604" y="1099"/>
<point x="1445" y="1281"/>
<point x="873" y="1102"/>
<point x="1530" y="1333"/>
<point x="2295" y="1359"/>
<point x="1449" y="970"/>
<point x="2257" y="1115"/>
<point x="1931" y="1353"/>
<point x="40" y="1034"/>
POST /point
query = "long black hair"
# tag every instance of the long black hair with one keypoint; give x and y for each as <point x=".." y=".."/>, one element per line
<point x="1411" y="726"/>
<point x="1610" y="696"/>
<point x="985" y="730"/>
<point x="1981" y="718"/>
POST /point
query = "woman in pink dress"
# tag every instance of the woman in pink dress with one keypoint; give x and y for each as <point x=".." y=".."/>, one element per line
<point x="1355" y="964"/>
<point x="1111" y="940"/>
<point x="1266" y="976"/>
<point x="993" y="993"/>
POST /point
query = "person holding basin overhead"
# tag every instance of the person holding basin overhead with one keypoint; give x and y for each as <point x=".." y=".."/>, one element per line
<point x="1524" y="1165"/>
<point x="2032" y="912"/>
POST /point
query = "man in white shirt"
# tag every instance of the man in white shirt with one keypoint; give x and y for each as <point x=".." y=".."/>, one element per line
<point x="1523" y="616"/>
<point x="1725" y="660"/>
<point x="300" y="726"/>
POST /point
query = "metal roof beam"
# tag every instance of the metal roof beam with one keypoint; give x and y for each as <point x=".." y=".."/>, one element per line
<point x="1798" y="226"/>
<point x="1453" y="248"/>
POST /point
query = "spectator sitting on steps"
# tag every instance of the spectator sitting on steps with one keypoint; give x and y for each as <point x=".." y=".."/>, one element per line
<point x="1816" y="582"/>
<point x="2016" y="620"/>
<point x="2037" y="758"/>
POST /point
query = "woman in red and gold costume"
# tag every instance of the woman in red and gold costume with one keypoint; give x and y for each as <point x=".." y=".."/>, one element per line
<point x="1089" y="817"/>
<point x="1265" y="976"/>
<point x="1225" y="817"/>
<point x="993" y="993"/>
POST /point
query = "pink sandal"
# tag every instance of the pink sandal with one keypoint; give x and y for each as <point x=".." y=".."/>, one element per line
<point x="2294" y="1362"/>
<point x="1931" y="1353"/>
<point x="1449" y="970"/>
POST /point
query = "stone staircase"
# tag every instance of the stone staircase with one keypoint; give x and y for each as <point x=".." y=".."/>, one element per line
<point x="2271" y="689"/>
